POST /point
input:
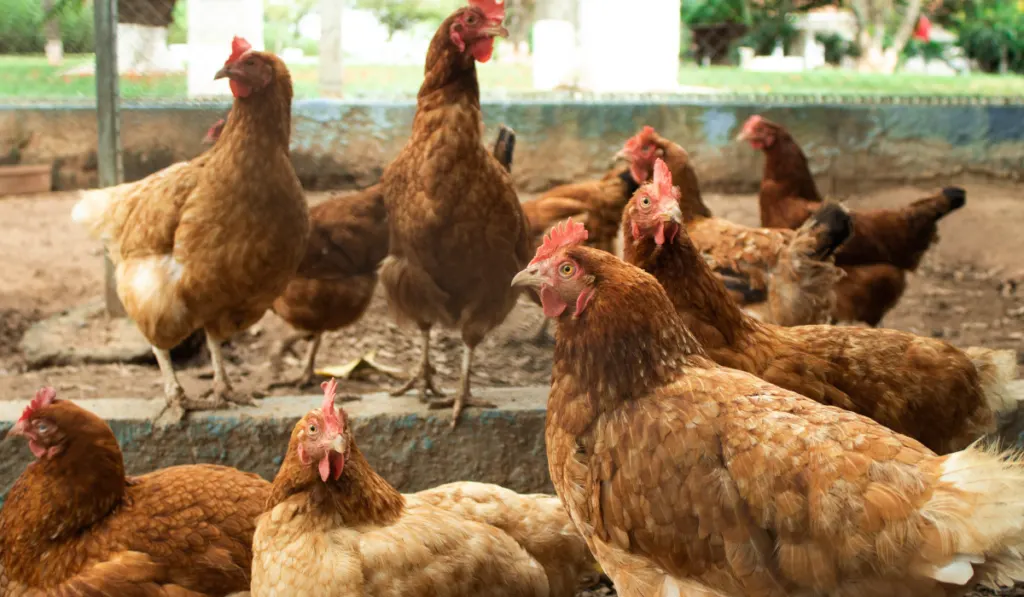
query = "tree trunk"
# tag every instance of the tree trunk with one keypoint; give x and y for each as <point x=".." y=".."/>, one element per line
<point x="872" y="16"/>
<point x="54" y="44"/>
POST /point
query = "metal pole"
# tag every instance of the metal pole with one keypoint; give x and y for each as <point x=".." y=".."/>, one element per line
<point x="109" y="123"/>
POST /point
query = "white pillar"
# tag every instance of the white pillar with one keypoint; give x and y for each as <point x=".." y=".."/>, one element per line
<point x="330" y="48"/>
<point x="211" y="26"/>
<point x="555" y="61"/>
<point x="629" y="45"/>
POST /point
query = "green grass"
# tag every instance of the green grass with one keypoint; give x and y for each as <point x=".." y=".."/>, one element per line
<point x="31" y="78"/>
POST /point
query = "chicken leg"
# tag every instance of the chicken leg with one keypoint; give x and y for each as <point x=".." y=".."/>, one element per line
<point x="304" y="380"/>
<point x="424" y="376"/>
<point x="174" y="410"/>
<point x="463" y="397"/>
<point x="222" y="393"/>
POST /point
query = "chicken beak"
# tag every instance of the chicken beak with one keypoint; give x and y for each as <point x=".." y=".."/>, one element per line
<point x="624" y="155"/>
<point x="494" y="28"/>
<point x="338" y="444"/>
<point x="223" y="72"/>
<point x="743" y="136"/>
<point x="18" y="430"/>
<point x="528" y="277"/>
<point x="673" y="214"/>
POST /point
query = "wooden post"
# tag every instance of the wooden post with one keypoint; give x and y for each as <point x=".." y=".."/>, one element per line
<point x="330" y="48"/>
<point x="109" y="123"/>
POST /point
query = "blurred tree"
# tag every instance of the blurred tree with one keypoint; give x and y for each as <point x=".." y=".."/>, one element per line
<point x="51" y="28"/>
<point x="152" y="13"/>
<point x="281" y="22"/>
<point x="879" y="22"/>
<point x="400" y="15"/>
<point x="991" y="32"/>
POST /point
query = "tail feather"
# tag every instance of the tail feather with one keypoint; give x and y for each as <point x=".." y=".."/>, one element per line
<point x="998" y="371"/>
<point x="94" y="209"/>
<point x="933" y="209"/>
<point x="833" y="226"/>
<point x="505" y="146"/>
<point x="978" y="512"/>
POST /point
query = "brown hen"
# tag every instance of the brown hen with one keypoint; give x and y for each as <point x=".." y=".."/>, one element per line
<point x="891" y="241"/>
<point x="689" y="478"/>
<point x="457" y="231"/>
<point x="212" y="242"/>
<point x="336" y="528"/>
<point x="921" y="387"/>
<point x="746" y="258"/>
<point x="73" y="524"/>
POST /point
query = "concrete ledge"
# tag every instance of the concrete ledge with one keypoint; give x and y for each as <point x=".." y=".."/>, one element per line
<point x="411" y="446"/>
<point x="344" y="144"/>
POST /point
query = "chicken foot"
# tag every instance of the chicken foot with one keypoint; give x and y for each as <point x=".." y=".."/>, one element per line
<point x="424" y="376"/>
<point x="222" y="394"/>
<point x="463" y="398"/>
<point x="286" y="346"/>
<point x="307" y="377"/>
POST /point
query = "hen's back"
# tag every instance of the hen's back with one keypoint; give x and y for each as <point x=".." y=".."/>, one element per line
<point x="193" y="522"/>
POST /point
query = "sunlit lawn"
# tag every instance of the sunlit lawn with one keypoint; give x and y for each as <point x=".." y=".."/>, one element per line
<point x="32" y="78"/>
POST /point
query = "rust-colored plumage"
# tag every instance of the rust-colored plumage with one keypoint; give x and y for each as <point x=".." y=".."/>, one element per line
<point x="73" y="523"/>
<point x="596" y="203"/>
<point x="921" y="387"/>
<point x="890" y="241"/>
<point x="457" y="231"/>
<point x="212" y="242"/>
<point x="335" y="528"/>
<point x="745" y="258"/>
<point x="688" y="478"/>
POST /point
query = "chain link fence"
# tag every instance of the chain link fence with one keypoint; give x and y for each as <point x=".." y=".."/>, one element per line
<point x="857" y="51"/>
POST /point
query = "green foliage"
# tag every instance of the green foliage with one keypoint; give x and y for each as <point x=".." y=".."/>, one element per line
<point x="836" y="48"/>
<point x="400" y="15"/>
<point x="21" y="27"/>
<point x="177" y="33"/>
<point x="992" y="33"/>
<point x="713" y="12"/>
<point x="281" y="22"/>
<point x="768" y="33"/>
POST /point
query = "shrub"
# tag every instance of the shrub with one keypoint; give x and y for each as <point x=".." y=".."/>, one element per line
<point x="21" y="28"/>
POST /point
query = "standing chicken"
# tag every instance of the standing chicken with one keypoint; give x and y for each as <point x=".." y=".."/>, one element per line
<point x="75" y="525"/>
<point x="688" y="478"/>
<point x="336" y="528"/>
<point x="458" y="233"/>
<point x="885" y="244"/>
<point x="921" y="387"/>
<point x="212" y="242"/>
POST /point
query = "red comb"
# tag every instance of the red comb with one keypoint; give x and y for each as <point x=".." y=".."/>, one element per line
<point x="753" y="121"/>
<point x="238" y="47"/>
<point x="331" y="418"/>
<point x="44" y="397"/>
<point x="663" y="178"/>
<point x="567" y="233"/>
<point x="640" y="139"/>
<point x="492" y="9"/>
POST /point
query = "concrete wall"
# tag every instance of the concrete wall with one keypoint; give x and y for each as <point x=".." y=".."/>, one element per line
<point x="342" y="144"/>
<point x="412" y="447"/>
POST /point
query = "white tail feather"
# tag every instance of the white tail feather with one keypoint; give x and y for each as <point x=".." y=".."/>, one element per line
<point x="93" y="211"/>
<point x="998" y="371"/>
<point x="978" y="509"/>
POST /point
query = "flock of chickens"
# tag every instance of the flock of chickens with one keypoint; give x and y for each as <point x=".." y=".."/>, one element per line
<point x="709" y="432"/>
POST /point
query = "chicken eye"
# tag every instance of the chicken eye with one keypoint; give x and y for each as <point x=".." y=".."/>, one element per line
<point x="471" y="20"/>
<point x="645" y="202"/>
<point x="313" y="428"/>
<point x="42" y="426"/>
<point x="566" y="270"/>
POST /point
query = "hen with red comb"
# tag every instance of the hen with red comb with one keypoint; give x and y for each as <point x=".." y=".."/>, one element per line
<point x="457" y="230"/>
<point x="171" y="278"/>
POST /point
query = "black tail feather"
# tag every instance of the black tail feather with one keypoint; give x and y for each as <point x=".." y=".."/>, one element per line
<point x="505" y="146"/>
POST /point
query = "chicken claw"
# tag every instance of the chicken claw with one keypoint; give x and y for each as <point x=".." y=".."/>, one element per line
<point x="463" y="397"/>
<point x="424" y="376"/>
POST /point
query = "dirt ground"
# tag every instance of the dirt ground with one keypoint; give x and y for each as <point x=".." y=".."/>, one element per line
<point x="967" y="292"/>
